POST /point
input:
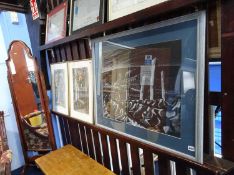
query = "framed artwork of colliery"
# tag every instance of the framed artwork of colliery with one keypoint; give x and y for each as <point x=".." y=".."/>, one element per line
<point x="85" y="13"/>
<point x="59" y="86"/>
<point x="56" y="23"/>
<point x="81" y="90"/>
<point x="150" y="84"/>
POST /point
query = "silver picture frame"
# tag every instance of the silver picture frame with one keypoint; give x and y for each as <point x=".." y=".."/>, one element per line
<point x="187" y="35"/>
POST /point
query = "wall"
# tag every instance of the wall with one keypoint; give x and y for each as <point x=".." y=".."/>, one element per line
<point x="8" y="33"/>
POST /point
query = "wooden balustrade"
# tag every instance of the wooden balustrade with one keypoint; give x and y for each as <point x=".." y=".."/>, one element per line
<point x="123" y="154"/>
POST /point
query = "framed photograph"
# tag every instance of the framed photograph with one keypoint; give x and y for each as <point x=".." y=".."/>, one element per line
<point x="59" y="85"/>
<point x="56" y="23"/>
<point x="81" y="90"/>
<point x="150" y="84"/>
<point x="85" y="13"/>
<point x="120" y="8"/>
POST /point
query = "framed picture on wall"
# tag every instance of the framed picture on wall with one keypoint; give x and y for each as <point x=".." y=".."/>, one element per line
<point x="85" y="13"/>
<point x="56" y="23"/>
<point x="81" y="90"/>
<point x="150" y="84"/>
<point x="120" y="8"/>
<point x="59" y="86"/>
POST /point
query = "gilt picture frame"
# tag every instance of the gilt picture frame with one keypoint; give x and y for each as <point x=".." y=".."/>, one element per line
<point x="59" y="86"/>
<point x="81" y="90"/>
<point x="149" y="84"/>
<point x="56" y="23"/>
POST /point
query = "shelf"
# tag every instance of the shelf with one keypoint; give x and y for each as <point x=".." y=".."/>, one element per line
<point x="139" y="16"/>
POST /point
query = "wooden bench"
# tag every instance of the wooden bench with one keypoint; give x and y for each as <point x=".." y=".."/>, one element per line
<point x="70" y="161"/>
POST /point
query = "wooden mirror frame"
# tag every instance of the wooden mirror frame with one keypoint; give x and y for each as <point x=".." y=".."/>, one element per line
<point x="17" y="53"/>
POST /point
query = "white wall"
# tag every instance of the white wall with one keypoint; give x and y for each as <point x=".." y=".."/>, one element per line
<point x="8" y="33"/>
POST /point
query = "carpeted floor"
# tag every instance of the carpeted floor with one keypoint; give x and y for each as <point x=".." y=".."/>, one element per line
<point x="33" y="170"/>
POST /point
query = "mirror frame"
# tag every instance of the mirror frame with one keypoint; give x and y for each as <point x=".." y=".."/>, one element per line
<point x="43" y="99"/>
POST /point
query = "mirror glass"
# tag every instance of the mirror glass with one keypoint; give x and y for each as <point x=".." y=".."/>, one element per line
<point x="28" y="97"/>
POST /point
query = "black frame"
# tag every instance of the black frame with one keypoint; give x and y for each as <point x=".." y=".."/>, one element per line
<point x="101" y="17"/>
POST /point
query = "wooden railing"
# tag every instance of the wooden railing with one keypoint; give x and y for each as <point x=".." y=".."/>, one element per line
<point x="125" y="155"/>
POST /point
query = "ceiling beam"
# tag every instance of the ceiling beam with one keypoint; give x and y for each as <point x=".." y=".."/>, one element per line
<point x="13" y="7"/>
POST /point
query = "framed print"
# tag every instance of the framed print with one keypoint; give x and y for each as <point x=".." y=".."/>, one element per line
<point x="120" y="8"/>
<point x="81" y="90"/>
<point x="150" y="84"/>
<point x="59" y="86"/>
<point x="85" y="13"/>
<point x="56" y="23"/>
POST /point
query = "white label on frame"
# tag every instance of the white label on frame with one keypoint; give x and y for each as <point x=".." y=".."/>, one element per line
<point x="191" y="148"/>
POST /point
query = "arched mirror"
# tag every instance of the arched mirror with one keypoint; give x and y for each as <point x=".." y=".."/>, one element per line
<point x="30" y="100"/>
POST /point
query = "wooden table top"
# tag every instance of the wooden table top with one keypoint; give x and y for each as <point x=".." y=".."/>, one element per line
<point x="70" y="161"/>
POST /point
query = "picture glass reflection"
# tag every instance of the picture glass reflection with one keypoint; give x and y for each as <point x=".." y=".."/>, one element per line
<point x="81" y="90"/>
<point x="141" y="85"/>
<point x="59" y="87"/>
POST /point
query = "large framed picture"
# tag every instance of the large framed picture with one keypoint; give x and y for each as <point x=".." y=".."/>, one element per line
<point x="85" y="13"/>
<point x="120" y="8"/>
<point x="150" y="84"/>
<point x="56" y="23"/>
<point x="59" y="85"/>
<point x="81" y="90"/>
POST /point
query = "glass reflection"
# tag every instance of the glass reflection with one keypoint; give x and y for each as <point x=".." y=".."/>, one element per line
<point x="141" y="86"/>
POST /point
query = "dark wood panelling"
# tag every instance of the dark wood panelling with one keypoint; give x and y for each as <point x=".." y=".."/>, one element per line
<point x="181" y="169"/>
<point x="75" y="50"/>
<point x="164" y="166"/>
<point x="75" y="134"/>
<point x="58" y="55"/>
<point x="139" y="16"/>
<point x="124" y="157"/>
<point x="227" y="16"/>
<point x="82" y="50"/>
<point x="13" y="7"/>
<point x="105" y="149"/>
<point x="136" y="167"/>
<point x="97" y="146"/>
<point x="203" y="172"/>
<point x="115" y="156"/>
<point x="68" y="52"/>
<point x="83" y="138"/>
<point x="53" y="55"/>
<point x="49" y="55"/>
<point x="87" y="48"/>
<point x="63" y="132"/>
<point x="215" y="98"/>
<point x="63" y="53"/>
<point x="49" y="6"/>
<point x="227" y="46"/>
<point x="148" y="162"/>
<point x="90" y="142"/>
<point x="227" y="100"/>
<point x="67" y="130"/>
